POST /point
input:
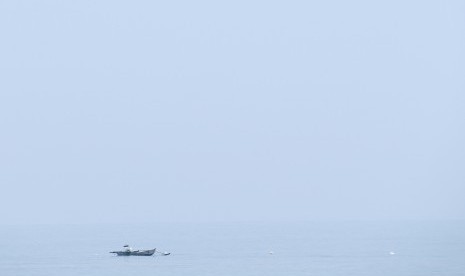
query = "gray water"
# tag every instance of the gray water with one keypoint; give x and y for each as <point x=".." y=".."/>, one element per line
<point x="312" y="248"/>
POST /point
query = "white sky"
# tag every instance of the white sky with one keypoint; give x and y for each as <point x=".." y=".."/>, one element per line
<point x="147" y="111"/>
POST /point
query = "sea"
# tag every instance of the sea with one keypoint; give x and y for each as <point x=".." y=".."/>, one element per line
<point x="320" y="248"/>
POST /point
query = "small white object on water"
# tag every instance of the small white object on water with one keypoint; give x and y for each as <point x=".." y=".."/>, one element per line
<point x="392" y="253"/>
<point x="271" y="252"/>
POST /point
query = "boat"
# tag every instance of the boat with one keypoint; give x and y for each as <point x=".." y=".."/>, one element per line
<point x="129" y="252"/>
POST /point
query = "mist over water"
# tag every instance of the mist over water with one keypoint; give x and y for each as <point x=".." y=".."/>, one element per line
<point x="160" y="123"/>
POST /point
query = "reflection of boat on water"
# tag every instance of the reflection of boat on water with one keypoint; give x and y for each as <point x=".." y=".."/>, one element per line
<point x="129" y="252"/>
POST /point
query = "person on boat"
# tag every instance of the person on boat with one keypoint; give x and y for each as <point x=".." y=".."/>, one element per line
<point x="127" y="248"/>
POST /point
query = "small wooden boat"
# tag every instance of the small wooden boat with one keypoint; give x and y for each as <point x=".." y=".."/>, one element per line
<point x="129" y="252"/>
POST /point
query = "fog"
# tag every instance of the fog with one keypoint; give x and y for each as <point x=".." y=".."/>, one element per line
<point x="167" y="111"/>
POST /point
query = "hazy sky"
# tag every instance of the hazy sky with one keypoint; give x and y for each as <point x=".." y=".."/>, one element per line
<point x="155" y="111"/>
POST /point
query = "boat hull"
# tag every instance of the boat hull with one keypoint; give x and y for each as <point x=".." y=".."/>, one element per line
<point x="135" y="253"/>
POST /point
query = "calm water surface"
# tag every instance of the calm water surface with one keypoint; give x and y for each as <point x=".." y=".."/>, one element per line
<point x="317" y="248"/>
